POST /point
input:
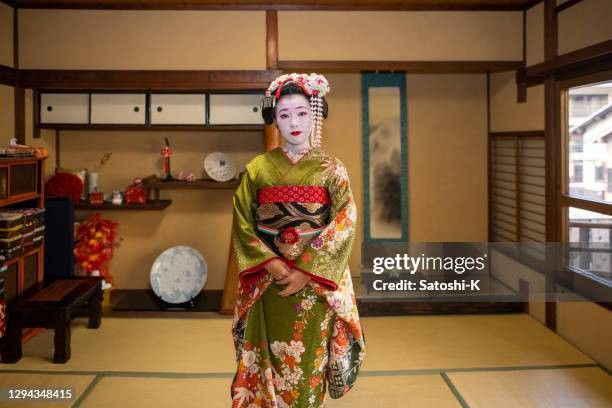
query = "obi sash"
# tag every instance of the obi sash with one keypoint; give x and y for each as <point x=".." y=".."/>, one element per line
<point x="290" y="217"/>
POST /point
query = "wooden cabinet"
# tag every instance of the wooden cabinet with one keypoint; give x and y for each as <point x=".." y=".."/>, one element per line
<point x="22" y="186"/>
<point x="233" y="109"/>
<point x="64" y="108"/>
<point x="178" y="109"/>
<point x="118" y="108"/>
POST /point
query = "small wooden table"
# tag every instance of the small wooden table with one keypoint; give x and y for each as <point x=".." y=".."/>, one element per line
<point x="52" y="307"/>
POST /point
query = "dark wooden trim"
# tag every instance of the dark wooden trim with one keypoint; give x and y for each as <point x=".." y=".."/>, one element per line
<point x="550" y="315"/>
<point x="35" y="114"/>
<point x="193" y="128"/>
<point x="532" y="3"/>
<point x="146" y="79"/>
<point x="601" y="207"/>
<point x="8" y="75"/>
<point x="520" y="134"/>
<point x="521" y="89"/>
<point x="489" y="159"/>
<point x="9" y="3"/>
<point x="272" y="39"/>
<point x="524" y="293"/>
<point x="264" y="6"/>
<point x="150" y="205"/>
<point x="20" y="115"/>
<point x="566" y="5"/>
<point x="425" y="67"/>
<point x="588" y="60"/>
<point x="607" y="305"/>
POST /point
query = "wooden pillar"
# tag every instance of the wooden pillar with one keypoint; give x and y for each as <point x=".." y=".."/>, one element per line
<point x="552" y="136"/>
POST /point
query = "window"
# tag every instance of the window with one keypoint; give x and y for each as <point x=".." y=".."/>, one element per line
<point x="587" y="196"/>
<point x="590" y="235"/>
<point x="590" y="141"/>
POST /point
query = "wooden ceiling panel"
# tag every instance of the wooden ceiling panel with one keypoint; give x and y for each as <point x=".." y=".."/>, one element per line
<point x="279" y="4"/>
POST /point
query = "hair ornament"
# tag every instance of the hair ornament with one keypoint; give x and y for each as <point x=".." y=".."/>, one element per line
<point x="315" y="86"/>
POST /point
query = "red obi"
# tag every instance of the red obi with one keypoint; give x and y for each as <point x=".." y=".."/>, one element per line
<point x="299" y="194"/>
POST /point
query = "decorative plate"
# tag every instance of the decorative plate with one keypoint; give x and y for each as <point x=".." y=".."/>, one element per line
<point x="219" y="166"/>
<point x="178" y="274"/>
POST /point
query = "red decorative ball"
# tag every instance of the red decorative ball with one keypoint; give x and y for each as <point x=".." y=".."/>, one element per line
<point x="290" y="236"/>
<point x="65" y="185"/>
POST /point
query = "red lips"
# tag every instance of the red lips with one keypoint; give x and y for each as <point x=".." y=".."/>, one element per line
<point x="295" y="132"/>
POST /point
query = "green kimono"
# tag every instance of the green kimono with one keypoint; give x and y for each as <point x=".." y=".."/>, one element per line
<point x="291" y="350"/>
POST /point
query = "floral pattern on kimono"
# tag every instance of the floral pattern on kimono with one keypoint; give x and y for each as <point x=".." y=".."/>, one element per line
<point x="340" y="353"/>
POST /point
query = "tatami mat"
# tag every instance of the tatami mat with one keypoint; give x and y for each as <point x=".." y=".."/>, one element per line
<point x="412" y="361"/>
<point x="432" y="342"/>
<point x="417" y="391"/>
<point x="555" y="388"/>
<point x="393" y="343"/>
<point x="30" y="381"/>
<point x="159" y="393"/>
<point x="127" y="344"/>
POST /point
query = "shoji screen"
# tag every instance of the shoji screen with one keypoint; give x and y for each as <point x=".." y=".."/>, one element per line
<point x="517" y="188"/>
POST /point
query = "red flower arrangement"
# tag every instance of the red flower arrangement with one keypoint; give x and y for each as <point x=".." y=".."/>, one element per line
<point x="64" y="185"/>
<point x="96" y="239"/>
<point x="290" y="236"/>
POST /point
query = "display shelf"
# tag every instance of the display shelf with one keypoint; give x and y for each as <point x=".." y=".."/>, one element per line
<point x="155" y="183"/>
<point x="199" y="128"/>
<point x="151" y="205"/>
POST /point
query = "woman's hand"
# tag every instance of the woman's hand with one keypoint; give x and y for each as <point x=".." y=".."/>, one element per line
<point x="277" y="269"/>
<point x="295" y="282"/>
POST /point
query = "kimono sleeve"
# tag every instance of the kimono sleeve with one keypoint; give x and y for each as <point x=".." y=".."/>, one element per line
<point x="252" y="254"/>
<point x="327" y="256"/>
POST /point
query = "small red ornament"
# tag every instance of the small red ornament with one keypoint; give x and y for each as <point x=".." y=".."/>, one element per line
<point x="290" y="236"/>
<point x="65" y="185"/>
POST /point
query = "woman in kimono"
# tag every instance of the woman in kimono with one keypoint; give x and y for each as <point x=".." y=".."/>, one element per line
<point x="296" y="328"/>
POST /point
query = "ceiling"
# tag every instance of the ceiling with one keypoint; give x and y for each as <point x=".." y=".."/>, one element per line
<point x="279" y="4"/>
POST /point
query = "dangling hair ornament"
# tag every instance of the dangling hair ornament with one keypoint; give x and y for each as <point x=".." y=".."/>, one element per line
<point x="314" y="85"/>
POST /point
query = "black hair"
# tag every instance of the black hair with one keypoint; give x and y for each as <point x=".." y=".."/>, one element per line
<point x="268" y="111"/>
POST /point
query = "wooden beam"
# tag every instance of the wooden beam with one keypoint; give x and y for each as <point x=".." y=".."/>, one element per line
<point x="8" y="75"/>
<point x="9" y="3"/>
<point x="566" y="5"/>
<point x="594" y="58"/>
<point x="20" y="115"/>
<point x="372" y="5"/>
<point x="145" y="79"/>
<point x="597" y="206"/>
<point x="532" y="3"/>
<point x="272" y="39"/>
<point x="425" y="67"/>
<point x="521" y="134"/>
<point x="489" y="160"/>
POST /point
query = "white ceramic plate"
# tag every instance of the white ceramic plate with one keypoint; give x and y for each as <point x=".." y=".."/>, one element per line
<point x="178" y="274"/>
<point x="219" y="166"/>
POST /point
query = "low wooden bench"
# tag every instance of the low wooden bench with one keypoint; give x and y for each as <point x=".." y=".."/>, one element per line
<point x="52" y="307"/>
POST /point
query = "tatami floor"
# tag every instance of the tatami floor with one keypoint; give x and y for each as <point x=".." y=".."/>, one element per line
<point x="417" y="361"/>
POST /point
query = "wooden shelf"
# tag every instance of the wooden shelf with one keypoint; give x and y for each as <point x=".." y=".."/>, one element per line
<point x="193" y="128"/>
<point x="150" y="205"/>
<point x="155" y="183"/>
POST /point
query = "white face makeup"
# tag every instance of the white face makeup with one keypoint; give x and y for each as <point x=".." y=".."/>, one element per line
<point x="294" y="121"/>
